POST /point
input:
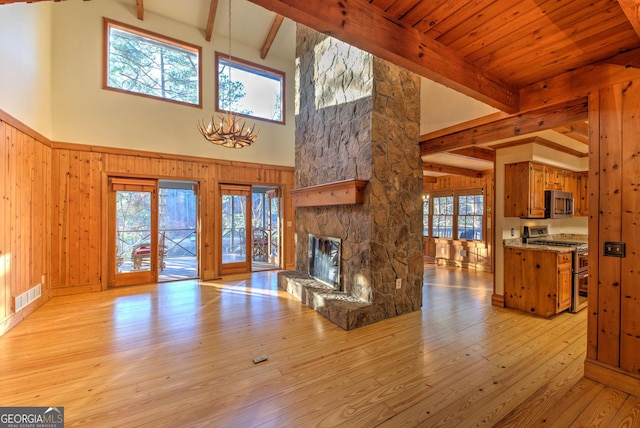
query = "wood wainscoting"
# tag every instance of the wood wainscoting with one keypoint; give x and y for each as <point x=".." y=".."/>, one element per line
<point x="79" y="178"/>
<point x="53" y="210"/>
<point x="25" y="224"/>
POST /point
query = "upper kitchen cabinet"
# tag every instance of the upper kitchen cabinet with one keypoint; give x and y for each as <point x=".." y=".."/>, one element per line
<point x="524" y="185"/>
<point x="526" y="182"/>
<point x="555" y="178"/>
<point x="581" y="195"/>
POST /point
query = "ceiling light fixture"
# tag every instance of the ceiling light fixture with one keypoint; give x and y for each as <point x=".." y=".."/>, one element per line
<point x="231" y="131"/>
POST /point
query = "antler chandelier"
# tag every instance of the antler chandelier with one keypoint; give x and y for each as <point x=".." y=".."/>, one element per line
<point x="231" y="132"/>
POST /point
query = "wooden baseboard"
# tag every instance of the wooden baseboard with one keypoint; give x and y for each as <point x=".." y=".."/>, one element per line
<point x="78" y="289"/>
<point x="497" y="300"/>
<point x="612" y="376"/>
<point x="459" y="264"/>
<point x="209" y="275"/>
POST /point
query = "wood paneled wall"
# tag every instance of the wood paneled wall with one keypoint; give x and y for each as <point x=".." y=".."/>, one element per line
<point x="613" y="355"/>
<point x="53" y="210"/>
<point x="25" y="203"/>
<point x="79" y="216"/>
<point x="479" y="255"/>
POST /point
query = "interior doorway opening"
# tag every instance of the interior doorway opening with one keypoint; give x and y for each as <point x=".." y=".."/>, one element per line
<point x="265" y="228"/>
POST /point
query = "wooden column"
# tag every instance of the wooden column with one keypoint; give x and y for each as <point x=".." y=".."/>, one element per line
<point x="614" y="282"/>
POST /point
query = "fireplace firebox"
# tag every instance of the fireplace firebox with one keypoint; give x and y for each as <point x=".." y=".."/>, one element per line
<point x="324" y="260"/>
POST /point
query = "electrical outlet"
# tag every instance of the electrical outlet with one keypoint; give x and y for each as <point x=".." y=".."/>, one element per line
<point x="398" y="283"/>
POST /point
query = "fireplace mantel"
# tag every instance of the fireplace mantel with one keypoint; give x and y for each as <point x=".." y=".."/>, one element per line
<point x="343" y="192"/>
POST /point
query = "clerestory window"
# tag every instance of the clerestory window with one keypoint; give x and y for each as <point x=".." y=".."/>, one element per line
<point x="151" y="65"/>
<point x="249" y="89"/>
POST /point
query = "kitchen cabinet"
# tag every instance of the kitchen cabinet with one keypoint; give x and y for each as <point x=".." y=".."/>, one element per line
<point x="537" y="281"/>
<point x="571" y="184"/>
<point x="581" y="195"/>
<point x="554" y="178"/>
<point x="565" y="278"/>
<point x="524" y="185"/>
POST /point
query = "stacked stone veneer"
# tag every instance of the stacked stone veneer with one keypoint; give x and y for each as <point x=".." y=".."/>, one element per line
<point x="358" y="117"/>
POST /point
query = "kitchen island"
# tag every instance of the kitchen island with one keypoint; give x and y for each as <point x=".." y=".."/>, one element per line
<point x="538" y="278"/>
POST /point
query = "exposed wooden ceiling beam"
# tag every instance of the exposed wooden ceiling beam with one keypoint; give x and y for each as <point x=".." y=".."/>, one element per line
<point x="213" y="7"/>
<point x="140" y="9"/>
<point x="511" y="126"/>
<point x="429" y="179"/>
<point x="631" y="9"/>
<point x="368" y="28"/>
<point x="451" y="170"/>
<point x="464" y="125"/>
<point x="277" y="22"/>
<point x="476" y="153"/>
<point x="579" y="131"/>
<point x="579" y="83"/>
<point x="542" y="142"/>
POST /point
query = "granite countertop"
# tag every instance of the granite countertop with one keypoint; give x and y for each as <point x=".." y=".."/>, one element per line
<point x="579" y="240"/>
<point x="533" y="247"/>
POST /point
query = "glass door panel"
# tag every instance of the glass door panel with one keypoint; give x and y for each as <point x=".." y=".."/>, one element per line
<point x="133" y="231"/>
<point x="236" y="206"/>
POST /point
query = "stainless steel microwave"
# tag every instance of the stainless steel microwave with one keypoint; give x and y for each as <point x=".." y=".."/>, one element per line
<point x="558" y="204"/>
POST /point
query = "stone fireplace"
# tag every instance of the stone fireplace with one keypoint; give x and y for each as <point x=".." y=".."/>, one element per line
<point x="357" y="118"/>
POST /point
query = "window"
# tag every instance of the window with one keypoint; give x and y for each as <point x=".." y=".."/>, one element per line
<point x="151" y="65"/>
<point x="249" y="89"/>
<point x="470" y="212"/>
<point x="442" y="218"/>
<point x="425" y="215"/>
<point x="455" y="215"/>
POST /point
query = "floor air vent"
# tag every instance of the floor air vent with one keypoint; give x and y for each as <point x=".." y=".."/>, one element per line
<point x="22" y="300"/>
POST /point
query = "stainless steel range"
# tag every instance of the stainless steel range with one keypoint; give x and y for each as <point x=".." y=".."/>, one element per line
<point x="539" y="235"/>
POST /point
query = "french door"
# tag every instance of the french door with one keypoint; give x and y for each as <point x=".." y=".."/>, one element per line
<point x="235" y="254"/>
<point x="132" y="231"/>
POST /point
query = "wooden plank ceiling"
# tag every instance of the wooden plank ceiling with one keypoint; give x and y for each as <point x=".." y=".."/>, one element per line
<point x="520" y="56"/>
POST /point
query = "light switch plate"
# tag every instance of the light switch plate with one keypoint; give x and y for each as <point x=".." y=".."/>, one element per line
<point x="615" y="249"/>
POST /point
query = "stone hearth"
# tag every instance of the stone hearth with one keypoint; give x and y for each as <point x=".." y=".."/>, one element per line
<point x="358" y="118"/>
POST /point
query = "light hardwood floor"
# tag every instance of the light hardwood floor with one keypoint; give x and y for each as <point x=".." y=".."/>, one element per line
<point x="180" y="354"/>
